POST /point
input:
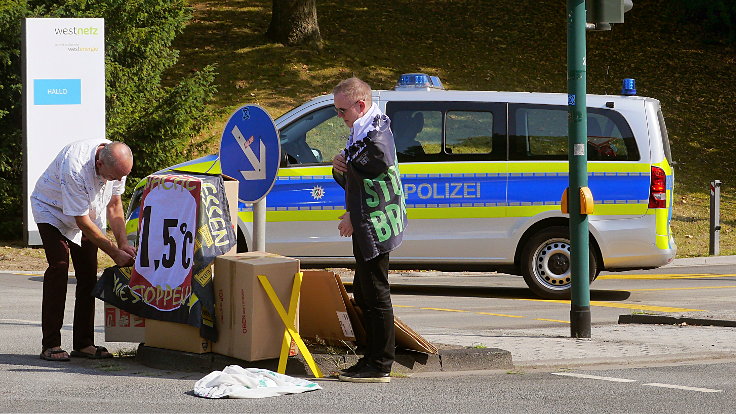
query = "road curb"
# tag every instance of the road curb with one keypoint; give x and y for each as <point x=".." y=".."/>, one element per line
<point x="407" y="362"/>
<point x="702" y="261"/>
<point x="673" y="320"/>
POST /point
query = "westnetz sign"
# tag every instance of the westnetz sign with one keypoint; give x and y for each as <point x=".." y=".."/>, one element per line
<point x="63" y="93"/>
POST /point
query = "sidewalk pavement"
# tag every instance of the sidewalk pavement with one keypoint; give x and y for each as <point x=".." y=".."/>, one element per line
<point x="636" y="339"/>
<point x="702" y="261"/>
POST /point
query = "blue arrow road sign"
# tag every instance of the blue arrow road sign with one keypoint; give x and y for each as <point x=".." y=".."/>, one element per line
<point x="250" y="152"/>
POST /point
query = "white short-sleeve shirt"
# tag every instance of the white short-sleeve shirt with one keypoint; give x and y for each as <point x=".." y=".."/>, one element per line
<point x="71" y="187"/>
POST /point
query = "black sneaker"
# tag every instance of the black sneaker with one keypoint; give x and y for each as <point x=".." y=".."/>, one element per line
<point x="355" y="368"/>
<point x="367" y="374"/>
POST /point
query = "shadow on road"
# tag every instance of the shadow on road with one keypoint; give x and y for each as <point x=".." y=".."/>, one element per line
<point x="118" y="366"/>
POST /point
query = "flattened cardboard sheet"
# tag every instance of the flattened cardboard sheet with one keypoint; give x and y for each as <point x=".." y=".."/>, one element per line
<point x="322" y="310"/>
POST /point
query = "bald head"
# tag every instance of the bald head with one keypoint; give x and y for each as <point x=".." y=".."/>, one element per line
<point x="114" y="161"/>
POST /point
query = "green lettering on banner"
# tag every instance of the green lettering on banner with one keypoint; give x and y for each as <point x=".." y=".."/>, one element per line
<point x="384" y="187"/>
<point x="373" y="201"/>
<point x="380" y="225"/>
<point x="393" y="212"/>
<point x="393" y="174"/>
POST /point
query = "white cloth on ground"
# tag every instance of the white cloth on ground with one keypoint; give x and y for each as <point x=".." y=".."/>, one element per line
<point x="237" y="382"/>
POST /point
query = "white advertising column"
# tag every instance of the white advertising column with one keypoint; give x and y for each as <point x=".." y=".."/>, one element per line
<point x="63" y="94"/>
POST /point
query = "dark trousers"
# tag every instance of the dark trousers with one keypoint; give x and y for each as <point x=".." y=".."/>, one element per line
<point x="55" y="279"/>
<point x="372" y="294"/>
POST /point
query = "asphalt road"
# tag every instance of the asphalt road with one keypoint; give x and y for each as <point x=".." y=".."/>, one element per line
<point x="32" y="386"/>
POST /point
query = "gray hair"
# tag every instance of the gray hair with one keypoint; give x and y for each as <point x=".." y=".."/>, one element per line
<point x="355" y="89"/>
<point x="114" y="153"/>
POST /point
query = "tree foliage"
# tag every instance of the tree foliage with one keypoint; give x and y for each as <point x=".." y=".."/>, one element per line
<point x="717" y="17"/>
<point x="157" y="120"/>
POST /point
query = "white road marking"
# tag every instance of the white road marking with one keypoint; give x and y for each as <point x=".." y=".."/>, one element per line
<point x="23" y="321"/>
<point x="612" y="379"/>
<point x="682" y="387"/>
<point x="651" y="384"/>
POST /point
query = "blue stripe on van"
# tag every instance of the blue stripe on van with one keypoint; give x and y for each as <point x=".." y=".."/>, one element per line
<point x="299" y="193"/>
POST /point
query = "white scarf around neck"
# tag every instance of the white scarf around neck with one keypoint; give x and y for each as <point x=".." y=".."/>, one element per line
<point x="363" y="125"/>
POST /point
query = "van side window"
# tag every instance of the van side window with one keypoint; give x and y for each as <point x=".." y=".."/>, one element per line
<point x="314" y="138"/>
<point x="539" y="132"/>
<point x="543" y="133"/>
<point x="417" y="133"/>
<point x="469" y="132"/>
<point x="448" y="131"/>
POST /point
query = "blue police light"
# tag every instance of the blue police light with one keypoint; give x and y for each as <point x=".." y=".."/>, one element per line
<point x="413" y="81"/>
<point x="629" y="87"/>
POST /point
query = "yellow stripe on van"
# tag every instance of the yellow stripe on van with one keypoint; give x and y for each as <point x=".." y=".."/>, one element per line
<point x="208" y="167"/>
<point x="303" y="215"/>
<point x="516" y="167"/>
<point x="439" y="213"/>
<point x="325" y="170"/>
<point x="131" y="226"/>
<point x="454" y="167"/>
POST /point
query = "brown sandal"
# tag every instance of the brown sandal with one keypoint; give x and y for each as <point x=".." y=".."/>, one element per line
<point x="100" y="353"/>
<point x="47" y="355"/>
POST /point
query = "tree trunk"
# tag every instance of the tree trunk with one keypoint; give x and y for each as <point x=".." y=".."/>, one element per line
<point x="294" y="22"/>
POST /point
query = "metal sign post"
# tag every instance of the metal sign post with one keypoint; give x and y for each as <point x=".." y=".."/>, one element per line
<point x="250" y="152"/>
<point x="577" y="147"/>
<point x="715" y="218"/>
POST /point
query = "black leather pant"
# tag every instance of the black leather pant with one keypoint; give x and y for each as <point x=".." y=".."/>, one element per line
<point x="372" y="294"/>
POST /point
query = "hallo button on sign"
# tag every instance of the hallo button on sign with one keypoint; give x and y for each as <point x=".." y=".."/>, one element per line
<point x="250" y="152"/>
<point x="57" y="91"/>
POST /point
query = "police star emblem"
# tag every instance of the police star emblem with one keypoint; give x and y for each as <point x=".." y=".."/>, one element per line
<point x="318" y="192"/>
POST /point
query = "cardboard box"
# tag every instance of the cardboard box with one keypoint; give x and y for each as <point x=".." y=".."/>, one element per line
<point x="248" y="324"/>
<point x="123" y="326"/>
<point x="176" y="336"/>
<point x="231" y="192"/>
<point x="322" y="310"/>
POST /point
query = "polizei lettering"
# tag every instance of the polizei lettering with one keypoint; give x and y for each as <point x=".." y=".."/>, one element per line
<point x="444" y="190"/>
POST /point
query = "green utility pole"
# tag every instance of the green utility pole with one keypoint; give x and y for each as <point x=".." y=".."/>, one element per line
<point x="577" y="147"/>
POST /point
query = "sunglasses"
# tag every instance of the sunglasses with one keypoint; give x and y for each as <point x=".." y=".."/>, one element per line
<point x="341" y="111"/>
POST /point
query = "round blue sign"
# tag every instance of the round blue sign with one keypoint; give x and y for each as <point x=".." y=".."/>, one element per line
<point x="250" y="152"/>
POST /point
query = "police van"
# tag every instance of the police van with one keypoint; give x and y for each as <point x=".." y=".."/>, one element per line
<point x="483" y="175"/>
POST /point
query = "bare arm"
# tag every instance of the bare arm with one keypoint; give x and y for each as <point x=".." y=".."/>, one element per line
<point x="345" y="226"/>
<point x="116" y="219"/>
<point x="93" y="233"/>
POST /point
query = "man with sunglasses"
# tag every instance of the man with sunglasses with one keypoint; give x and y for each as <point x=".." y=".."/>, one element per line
<point x="375" y="219"/>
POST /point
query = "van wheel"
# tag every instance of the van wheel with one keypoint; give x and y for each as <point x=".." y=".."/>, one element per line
<point x="546" y="263"/>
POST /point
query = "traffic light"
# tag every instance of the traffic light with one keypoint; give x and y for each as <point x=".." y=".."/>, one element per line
<point x="601" y="13"/>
